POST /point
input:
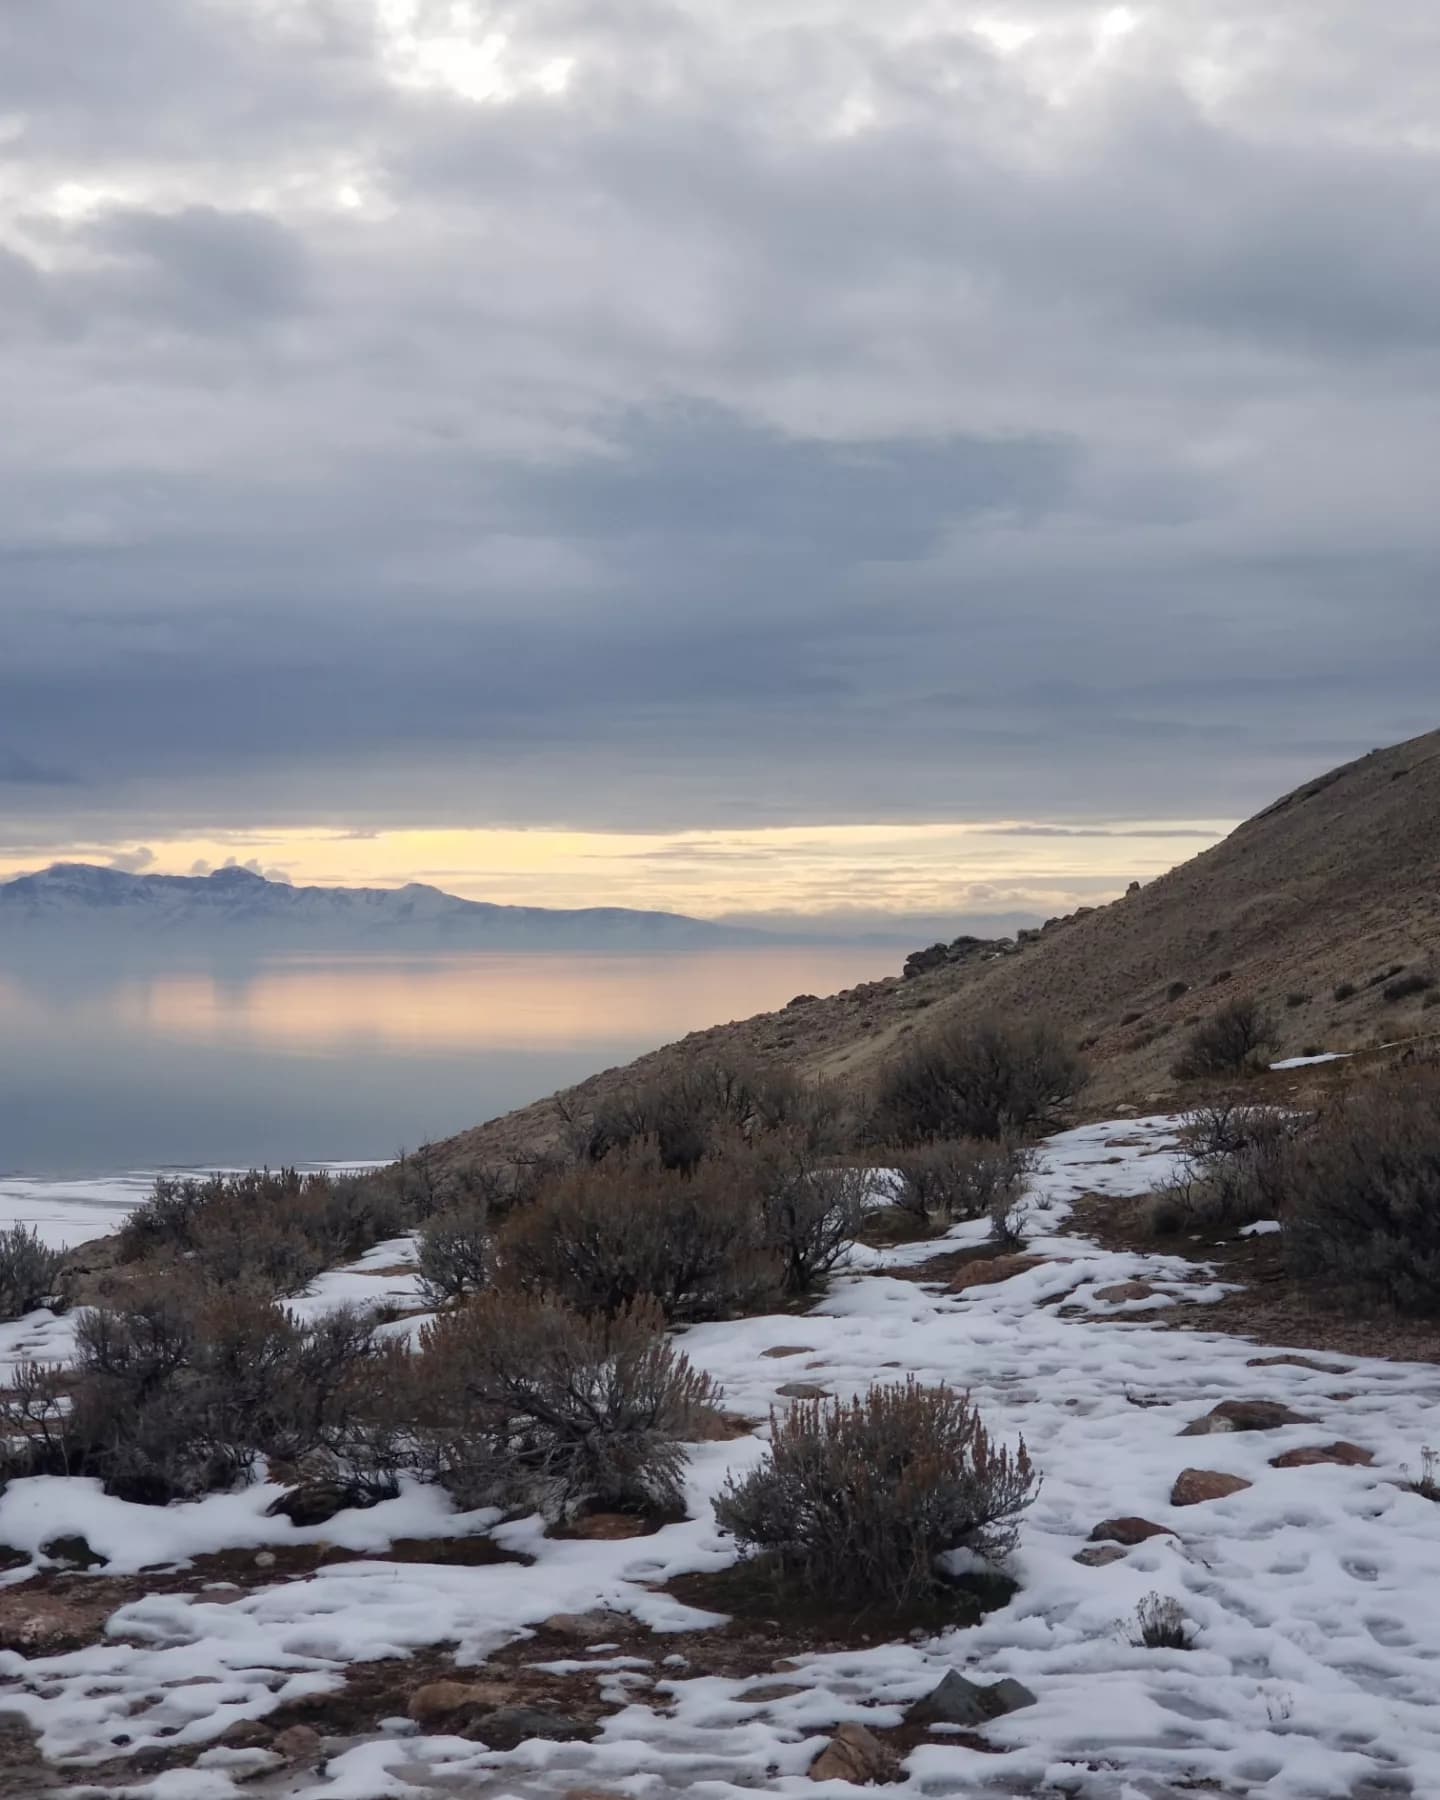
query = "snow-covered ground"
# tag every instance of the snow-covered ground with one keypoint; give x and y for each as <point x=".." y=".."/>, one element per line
<point x="66" y="1211"/>
<point x="1311" y="1593"/>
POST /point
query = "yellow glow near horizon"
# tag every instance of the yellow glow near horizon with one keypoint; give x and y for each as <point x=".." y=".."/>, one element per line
<point x="811" y="871"/>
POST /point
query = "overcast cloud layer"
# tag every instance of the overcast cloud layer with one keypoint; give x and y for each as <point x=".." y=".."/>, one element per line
<point x="665" y="413"/>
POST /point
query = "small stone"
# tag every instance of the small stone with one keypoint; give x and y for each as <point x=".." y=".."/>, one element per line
<point x="789" y="1350"/>
<point x="855" y="1755"/>
<point x="247" y="1734"/>
<point x="312" y="1502"/>
<point x="1126" y="1290"/>
<point x="72" y="1550"/>
<point x="509" y="1726"/>
<point x="1245" y="1415"/>
<point x="802" y="1390"/>
<point x="590" y="1627"/>
<point x="438" y="1700"/>
<point x="773" y="1690"/>
<point x="1096" y="1556"/>
<point x="1127" y="1531"/>
<point x="1294" y="1361"/>
<point x="985" y="1271"/>
<point x="297" y="1744"/>
<point x="264" y="1559"/>
<point x="1349" y="1455"/>
<point x="1192" y="1486"/>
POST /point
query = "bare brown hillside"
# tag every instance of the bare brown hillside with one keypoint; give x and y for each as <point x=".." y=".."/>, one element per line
<point x="1335" y="885"/>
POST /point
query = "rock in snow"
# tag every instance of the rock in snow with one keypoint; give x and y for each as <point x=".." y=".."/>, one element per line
<point x="855" y="1755"/>
<point x="1245" y="1415"/>
<point x="958" y="1701"/>
<point x="1194" y="1486"/>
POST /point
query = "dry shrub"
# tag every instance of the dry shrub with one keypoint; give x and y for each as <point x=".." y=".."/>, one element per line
<point x="29" y="1272"/>
<point x="810" y="1214"/>
<point x="177" y="1392"/>
<point x="606" y="1234"/>
<point x="1363" y="1188"/>
<point x="1160" y="1624"/>
<point x="685" y="1114"/>
<point x="860" y="1499"/>
<point x="457" y="1252"/>
<point x="957" y="1178"/>
<point x="274" y="1230"/>
<point x="1236" y="1168"/>
<point x="1009" y="1215"/>
<point x="1231" y="1041"/>
<point x="988" y="1078"/>
<point x="524" y="1401"/>
<point x="1405" y="987"/>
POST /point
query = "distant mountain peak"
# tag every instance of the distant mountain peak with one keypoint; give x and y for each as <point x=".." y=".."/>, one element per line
<point x="88" y="898"/>
<point x="234" y="875"/>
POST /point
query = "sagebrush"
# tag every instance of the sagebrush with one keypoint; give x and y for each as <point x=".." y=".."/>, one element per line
<point x="957" y="1178"/>
<point x="29" y="1272"/>
<point x="862" y="1499"/>
<point x="987" y="1078"/>
<point x="521" y="1400"/>
<point x="1232" y="1041"/>
<point x="605" y="1235"/>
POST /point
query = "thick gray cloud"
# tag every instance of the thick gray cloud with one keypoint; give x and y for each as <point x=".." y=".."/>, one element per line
<point x="668" y="413"/>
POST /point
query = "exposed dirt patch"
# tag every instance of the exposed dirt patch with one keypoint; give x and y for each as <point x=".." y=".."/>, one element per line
<point x="748" y="1592"/>
<point x="1271" y="1306"/>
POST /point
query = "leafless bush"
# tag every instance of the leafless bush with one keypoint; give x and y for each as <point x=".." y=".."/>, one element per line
<point x="532" y="1403"/>
<point x="957" y="1178"/>
<point x="457" y="1253"/>
<point x="34" y="1416"/>
<point x="810" y="1214"/>
<point x="605" y="1234"/>
<point x="1236" y="1168"/>
<point x="1363" y="1188"/>
<point x="1160" y="1624"/>
<point x="989" y="1078"/>
<point x="1230" y="1042"/>
<point x="1009" y="1214"/>
<point x="859" y="1500"/>
<point x="29" y="1272"/>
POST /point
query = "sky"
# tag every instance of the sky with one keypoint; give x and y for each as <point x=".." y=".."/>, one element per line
<point x="815" y="458"/>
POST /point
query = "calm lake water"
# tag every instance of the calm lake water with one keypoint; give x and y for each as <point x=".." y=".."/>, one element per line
<point x="296" y="1059"/>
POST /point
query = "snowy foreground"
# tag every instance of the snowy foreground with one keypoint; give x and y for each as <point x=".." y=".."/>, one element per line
<point x="1312" y="1594"/>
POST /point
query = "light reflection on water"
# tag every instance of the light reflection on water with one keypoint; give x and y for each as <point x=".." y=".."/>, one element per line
<point x="294" y="1058"/>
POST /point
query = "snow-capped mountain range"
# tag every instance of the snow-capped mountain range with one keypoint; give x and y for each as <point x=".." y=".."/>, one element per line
<point x="83" y="899"/>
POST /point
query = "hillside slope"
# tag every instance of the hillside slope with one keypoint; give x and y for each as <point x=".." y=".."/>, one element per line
<point x="1336" y="883"/>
